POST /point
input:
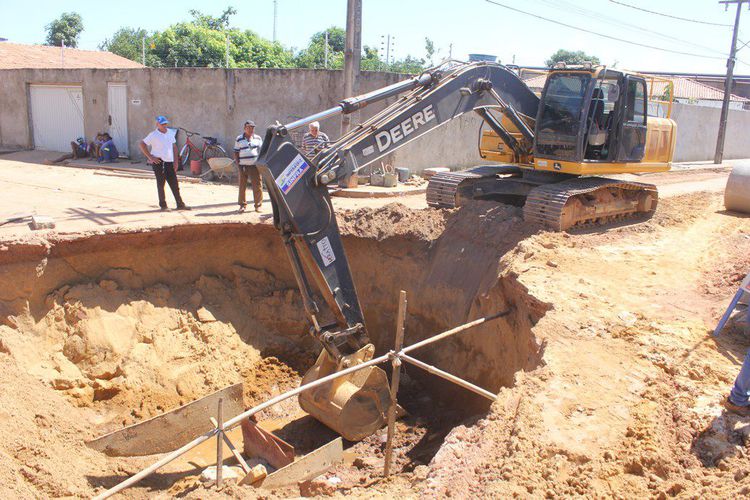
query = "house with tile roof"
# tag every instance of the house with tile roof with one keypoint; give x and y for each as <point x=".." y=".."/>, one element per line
<point x="21" y="56"/>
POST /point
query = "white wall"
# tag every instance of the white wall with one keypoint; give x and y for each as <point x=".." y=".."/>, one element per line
<point x="698" y="127"/>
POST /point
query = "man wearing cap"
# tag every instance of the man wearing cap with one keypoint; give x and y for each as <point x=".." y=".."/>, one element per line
<point x="161" y="158"/>
<point x="246" y="151"/>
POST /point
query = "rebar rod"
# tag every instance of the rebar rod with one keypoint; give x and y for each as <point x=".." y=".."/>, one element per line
<point x="450" y="377"/>
<point x="458" y="329"/>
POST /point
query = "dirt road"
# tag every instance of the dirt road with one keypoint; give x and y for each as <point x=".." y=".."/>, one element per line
<point x="83" y="200"/>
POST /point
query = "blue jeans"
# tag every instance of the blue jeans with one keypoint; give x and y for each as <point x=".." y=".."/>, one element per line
<point x="740" y="394"/>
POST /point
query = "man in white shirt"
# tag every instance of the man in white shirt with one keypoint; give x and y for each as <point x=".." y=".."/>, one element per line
<point x="162" y="157"/>
<point x="246" y="151"/>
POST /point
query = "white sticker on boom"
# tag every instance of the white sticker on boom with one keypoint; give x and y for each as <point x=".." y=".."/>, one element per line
<point x="326" y="252"/>
<point x="292" y="174"/>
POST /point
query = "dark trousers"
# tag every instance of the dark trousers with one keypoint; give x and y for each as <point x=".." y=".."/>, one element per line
<point x="165" y="172"/>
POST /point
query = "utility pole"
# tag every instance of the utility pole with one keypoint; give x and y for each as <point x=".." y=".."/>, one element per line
<point x="352" y="53"/>
<point x="450" y="51"/>
<point x="325" y="60"/>
<point x="143" y="50"/>
<point x="275" y="12"/>
<point x="718" y="157"/>
<point x="388" y="50"/>
<point x="386" y="44"/>
<point x="62" y="53"/>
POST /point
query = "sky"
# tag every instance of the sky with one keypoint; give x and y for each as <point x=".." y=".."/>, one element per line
<point x="469" y="26"/>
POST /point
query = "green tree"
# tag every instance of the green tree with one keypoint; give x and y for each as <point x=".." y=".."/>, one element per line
<point x="313" y="56"/>
<point x="409" y="65"/>
<point x="128" y="43"/>
<point x="370" y="60"/>
<point x="336" y="38"/>
<point x="65" y="28"/>
<point x="200" y="42"/>
<point x="571" y="57"/>
<point x="214" y="23"/>
<point x="429" y="48"/>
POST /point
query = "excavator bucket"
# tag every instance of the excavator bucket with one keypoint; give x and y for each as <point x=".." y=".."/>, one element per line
<point x="355" y="405"/>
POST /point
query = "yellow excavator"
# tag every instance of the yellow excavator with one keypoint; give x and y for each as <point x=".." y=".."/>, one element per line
<point x="590" y="121"/>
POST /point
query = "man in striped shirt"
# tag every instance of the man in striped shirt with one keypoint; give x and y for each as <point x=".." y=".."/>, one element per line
<point x="314" y="140"/>
<point x="246" y="151"/>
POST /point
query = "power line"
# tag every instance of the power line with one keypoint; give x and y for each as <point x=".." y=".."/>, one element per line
<point x="568" y="6"/>
<point x="601" y="34"/>
<point x="669" y="15"/>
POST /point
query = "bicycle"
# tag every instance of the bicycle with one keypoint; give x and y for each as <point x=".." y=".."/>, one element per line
<point x="211" y="148"/>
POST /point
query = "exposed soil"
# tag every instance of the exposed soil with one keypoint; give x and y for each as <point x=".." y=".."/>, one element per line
<point x="609" y="381"/>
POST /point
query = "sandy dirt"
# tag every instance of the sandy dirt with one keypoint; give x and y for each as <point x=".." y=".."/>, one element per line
<point x="608" y="378"/>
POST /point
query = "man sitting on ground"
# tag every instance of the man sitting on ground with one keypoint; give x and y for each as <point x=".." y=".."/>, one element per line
<point x="107" y="150"/>
<point x="79" y="149"/>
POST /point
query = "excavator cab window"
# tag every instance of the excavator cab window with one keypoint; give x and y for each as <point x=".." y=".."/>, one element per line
<point x="632" y="135"/>
<point x="600" y="123"/>
<point x="559" y="124"/>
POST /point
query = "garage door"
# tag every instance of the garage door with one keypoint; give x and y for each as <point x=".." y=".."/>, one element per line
<point x="56" y="116"/>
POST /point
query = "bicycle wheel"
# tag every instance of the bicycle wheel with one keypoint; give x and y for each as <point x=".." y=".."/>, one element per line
<point x="184" y="154"/>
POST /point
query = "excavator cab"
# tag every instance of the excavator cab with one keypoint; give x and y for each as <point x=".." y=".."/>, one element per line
<point x="594" y="115"/>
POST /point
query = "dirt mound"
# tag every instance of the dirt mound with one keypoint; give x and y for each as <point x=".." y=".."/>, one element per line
<point x="41" y="449"/>
<point x="392" y="220"/>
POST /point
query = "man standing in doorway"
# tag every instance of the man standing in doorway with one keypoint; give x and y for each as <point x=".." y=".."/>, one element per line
<point x="246" y="151"/>
<point x="161" y="157"/>
<point x="314" y="140"/>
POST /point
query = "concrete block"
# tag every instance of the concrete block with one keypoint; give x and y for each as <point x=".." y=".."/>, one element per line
<point x="42" y="222"/>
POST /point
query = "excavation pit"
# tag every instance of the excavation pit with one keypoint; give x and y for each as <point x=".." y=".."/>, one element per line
<point x="125" y="326"/>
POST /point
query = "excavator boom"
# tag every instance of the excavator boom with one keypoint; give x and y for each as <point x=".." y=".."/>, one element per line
<point x="297" y="184"/>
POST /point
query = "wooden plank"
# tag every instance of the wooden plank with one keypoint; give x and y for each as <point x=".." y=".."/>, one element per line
<point x="395" y="380"/>
<point x="311" y="465"/>
<point x="170" y="430"/>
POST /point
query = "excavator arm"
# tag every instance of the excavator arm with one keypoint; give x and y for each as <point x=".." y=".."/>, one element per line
<point x="303" y="213"/>
<point x="297" y="183"/>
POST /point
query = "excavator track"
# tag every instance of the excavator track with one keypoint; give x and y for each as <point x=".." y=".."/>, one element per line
<point x="589" y="201"/>
<point x="443" y="188"/>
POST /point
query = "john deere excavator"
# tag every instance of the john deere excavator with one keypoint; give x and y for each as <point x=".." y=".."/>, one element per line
<point x="588" y="121"/>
